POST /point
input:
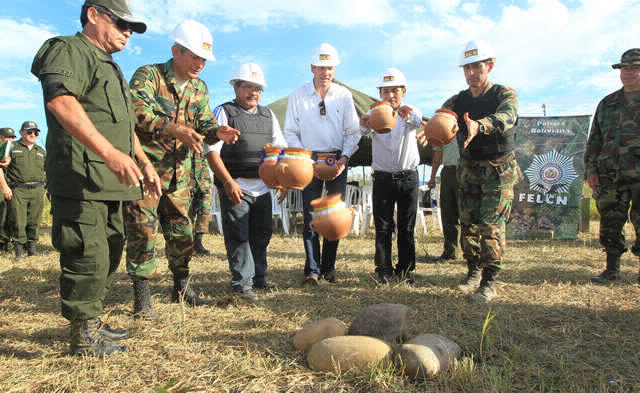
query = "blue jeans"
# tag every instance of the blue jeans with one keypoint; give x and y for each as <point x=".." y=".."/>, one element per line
<point x="317" y="263"/>
<point x="247" y="231"/>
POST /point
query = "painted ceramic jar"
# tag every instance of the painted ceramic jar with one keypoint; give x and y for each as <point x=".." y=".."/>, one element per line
<point x="382" y="117"/>
<point x="331" y="217"/>
<point x="325" y="167"/>
<point x="295" y="168"/>
<point x="441" y="128"/>
<point x="267" y="166"/>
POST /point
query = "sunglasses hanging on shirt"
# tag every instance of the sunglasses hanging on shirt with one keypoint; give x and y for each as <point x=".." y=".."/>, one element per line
<point x="323" y="108"/>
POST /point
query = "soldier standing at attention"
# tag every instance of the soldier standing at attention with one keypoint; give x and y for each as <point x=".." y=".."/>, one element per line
<point x="174" y="118"/>
<point x="201" y="201"/>
<point x="612" y="161"/>
<point x="25" y="176"/>
<point x="6" y="134"/>
<point x="90" y="164"/>
<point x="487" y="170"/>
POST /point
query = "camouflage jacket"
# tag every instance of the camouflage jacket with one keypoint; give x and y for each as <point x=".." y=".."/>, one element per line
<point x="157" y="104"/>
<point x="201" y="176"/>
<point x="613" y="148"/>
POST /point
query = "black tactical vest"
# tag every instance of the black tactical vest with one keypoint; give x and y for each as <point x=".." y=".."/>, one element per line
<point x="482" y="147"/>
<point x="242" y="158"/>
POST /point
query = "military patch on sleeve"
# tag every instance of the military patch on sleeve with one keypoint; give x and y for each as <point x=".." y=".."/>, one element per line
<point x="509" y="92"/>
<point x="55" y="70"/>
<point x="136" y="84"/>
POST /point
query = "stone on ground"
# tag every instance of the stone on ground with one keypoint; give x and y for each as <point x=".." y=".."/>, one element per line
<point x="343" y="353"/>
<point x="317" y="331"/>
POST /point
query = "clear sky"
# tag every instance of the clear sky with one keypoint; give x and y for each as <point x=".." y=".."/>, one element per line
<point x="553" y="52"/>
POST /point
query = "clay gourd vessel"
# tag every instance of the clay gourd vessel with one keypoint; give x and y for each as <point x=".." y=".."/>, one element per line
<point x="295" y="168"/>
<point x="325" y="167"/>
<point x="382" y="117"/>
<point x="441" y="128"/>
<point x="331" y="217"/>
<point x="267" y="166"/>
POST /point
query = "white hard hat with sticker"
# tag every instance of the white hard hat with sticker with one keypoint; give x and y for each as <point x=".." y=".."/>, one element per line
<point x="325" y="56"/>
<point x="249" y="72"/>
<point x="194" y="36"/>
<point x="476" y="50"/>
<point x="392" y="77"/>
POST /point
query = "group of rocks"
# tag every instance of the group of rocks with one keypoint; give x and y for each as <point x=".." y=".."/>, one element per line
<point x="378" y="337"/>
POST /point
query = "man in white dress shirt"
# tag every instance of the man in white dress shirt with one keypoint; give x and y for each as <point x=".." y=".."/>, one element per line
<point x="321" y="117"/>
<point x="395" y="180"/>
<point x="245" y="201"/>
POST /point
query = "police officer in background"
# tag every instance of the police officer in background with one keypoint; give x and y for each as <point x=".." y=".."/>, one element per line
<point x="487" y="170"/>
<point x="612" y="161"/>
<point x="91" y="164"/>
<point x="6" y="134"/>
<point x="26" y="178"/>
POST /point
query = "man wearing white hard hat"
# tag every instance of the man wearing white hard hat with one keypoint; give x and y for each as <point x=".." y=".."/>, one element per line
<point x="174" y="117"/>
<point x="487" y="170"/>
<point x="321" y="117"/>
<point x="395" y="180"/>
<point x="245" y="201"/>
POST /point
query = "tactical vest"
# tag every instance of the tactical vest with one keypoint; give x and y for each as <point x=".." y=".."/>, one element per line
<point x="242" y="158"/>
<point x="482" y="147"/>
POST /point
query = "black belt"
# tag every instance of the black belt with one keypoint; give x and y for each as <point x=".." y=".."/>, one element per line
<point x="314" y="154"/>
<point x="450" y="166"/>
<point x="29" y="186"/>
<point x="395" y="175"/>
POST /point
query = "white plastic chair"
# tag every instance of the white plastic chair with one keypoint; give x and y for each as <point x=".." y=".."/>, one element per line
<point x="215" y="209"/>
<point x="353" y="199"/>
<point x="280" y="210"/>
<point x="366" y="198"/>
<point x="435" y="211"/>
<point x="294" y="203"/>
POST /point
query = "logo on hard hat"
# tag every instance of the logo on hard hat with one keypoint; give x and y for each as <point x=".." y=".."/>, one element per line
<point x="206" y="46"/>
<point x="389" y="78"/>
<point x="472" y="52"/>
<point x="325" y="57"/>
<point x="254" y="74"/>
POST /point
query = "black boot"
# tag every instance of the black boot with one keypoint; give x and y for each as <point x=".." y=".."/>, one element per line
<point x="487" y="289"/>
<point x="31" y="248"/>
<point x="19" y="249"/>
<point x="182" y="291"/>
<point x="142" y="306"/>
<point x="4" y="247"/>
<point x="473" y="276"/>
<point x="107" y="331"/>
<point x="611" y="273"/>
<point x="87" y="340"/>
<point x="197" y="245"/>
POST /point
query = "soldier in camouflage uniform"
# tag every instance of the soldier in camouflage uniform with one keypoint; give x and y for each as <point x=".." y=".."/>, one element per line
<point x="174" y="118"/>
<point x="201" y="201"/>
<point x="612" y="160"/>
<point x="6" y="134"/>
<point x="487" y="170"/>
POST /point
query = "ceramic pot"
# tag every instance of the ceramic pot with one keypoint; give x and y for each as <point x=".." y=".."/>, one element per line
<point x="441" y="128"/>
<point x="325" y="167"/>
<point x="295" y="168"/>
<point x="267" y="166"/>
<point x="331" y="217"/>
<point x="382" y="117"/>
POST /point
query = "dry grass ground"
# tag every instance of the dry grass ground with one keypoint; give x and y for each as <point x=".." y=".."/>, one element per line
<point x="553" y="330"/>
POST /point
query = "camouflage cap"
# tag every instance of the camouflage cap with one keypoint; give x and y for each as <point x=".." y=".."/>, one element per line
<point x="630" y="57"/>
<point x="7" y="132"/>
<point x="29" y="125"/>
<point x="121" y="9"/>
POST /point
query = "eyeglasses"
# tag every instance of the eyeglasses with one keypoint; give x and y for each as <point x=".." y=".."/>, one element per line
<point x="121" y="24"/>
<point x="323" y="108"/>
<point x="257" y="89"/>
<point x="33" y="132"/>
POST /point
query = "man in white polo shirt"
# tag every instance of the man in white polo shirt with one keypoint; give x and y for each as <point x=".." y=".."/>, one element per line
<point x="321" y="117"/>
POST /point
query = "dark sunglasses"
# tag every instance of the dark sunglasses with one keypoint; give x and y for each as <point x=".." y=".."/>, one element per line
<point x="257" y="89"/>
<point x="121" y="24"/>
<point x="323" y="108"/>
<point x="33" y="132"/>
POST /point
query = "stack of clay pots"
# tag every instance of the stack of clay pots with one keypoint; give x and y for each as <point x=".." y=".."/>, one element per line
<point x="331" y="217"/>
<point x="382" y="117"/>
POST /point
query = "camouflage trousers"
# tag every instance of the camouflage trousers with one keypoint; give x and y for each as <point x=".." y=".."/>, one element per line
<point x="485" y="191"/>
<point x="201" y="204"/>
<point x="142" y="219"/>
<point x="616" y="202"/>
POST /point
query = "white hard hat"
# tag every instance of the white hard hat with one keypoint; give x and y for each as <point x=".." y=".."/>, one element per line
<point x="250" y="72"/>
<point x="325" y="56"/>
<point x="476" y="50"/>
<point x="194" y="36"/>
<point x="392" y="77"/>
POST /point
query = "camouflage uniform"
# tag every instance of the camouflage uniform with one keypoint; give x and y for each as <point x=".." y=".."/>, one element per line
<point x="159" y="107"/>
<point x="201" y="194"/>
<point x="486" y="185"/>
<point x="613" y="153"/>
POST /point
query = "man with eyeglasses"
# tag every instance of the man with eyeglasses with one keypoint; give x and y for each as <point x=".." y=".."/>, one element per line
<point x="174" y="118"/>
<point x="26" y="178"/>
<point x="6" y="134"/>
<point x="321" y="117"/>
<point x="94" y="162"/>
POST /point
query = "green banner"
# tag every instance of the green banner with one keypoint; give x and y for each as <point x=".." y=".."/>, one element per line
<point x="549" y="151"/>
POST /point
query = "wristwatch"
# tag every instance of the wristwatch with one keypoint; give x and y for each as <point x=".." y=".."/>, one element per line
<point x="480" y="128"/>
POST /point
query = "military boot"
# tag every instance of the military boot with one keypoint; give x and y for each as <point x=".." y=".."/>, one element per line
<point x="487" y="289"/>
<point x="107" y="331"/>
<point x="4" y="247"/>
<point x="87" y="340"/>
<point x="197" y="245"/>
<point x="611" y="273"/>
<point x="473" y="276"/>
<point x="31" y="248"/>
<point x="19" y="249"/>
<point x="142" y="306"/>
<point x="182" y="291"/>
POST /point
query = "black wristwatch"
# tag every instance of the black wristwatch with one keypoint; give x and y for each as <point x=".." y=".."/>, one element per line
<point x="480" y="128"/>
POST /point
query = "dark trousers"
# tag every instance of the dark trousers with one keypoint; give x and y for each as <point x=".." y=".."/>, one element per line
<point x="247" y="231"/>
<point x="25" y="214"/>
<point x="389" y="190"/>
<point x="450" y="210"/>
<point x="317" y="263"/>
